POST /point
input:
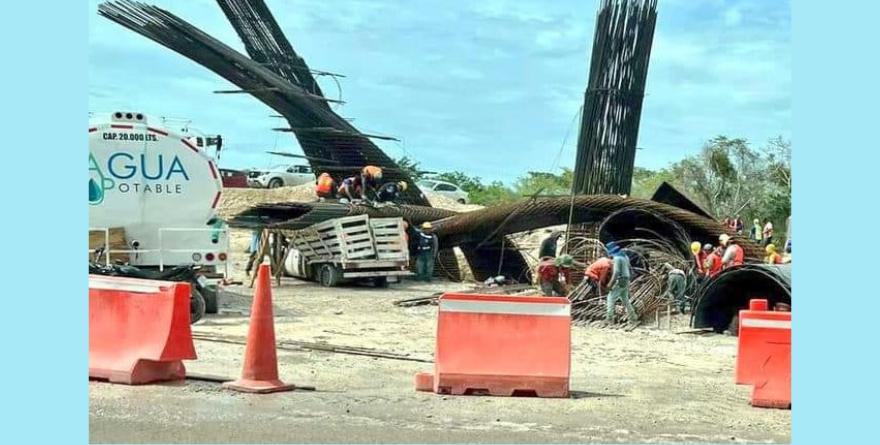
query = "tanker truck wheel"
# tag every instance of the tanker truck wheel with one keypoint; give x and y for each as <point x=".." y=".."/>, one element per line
<point x="328" y="275"/>
<point x="210" y="296"/>
<point x="275" y="183"/>
<point x="196" y="305"/>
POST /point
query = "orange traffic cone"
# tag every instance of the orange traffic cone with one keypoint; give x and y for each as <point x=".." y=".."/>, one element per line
<point x="260" y="373"/>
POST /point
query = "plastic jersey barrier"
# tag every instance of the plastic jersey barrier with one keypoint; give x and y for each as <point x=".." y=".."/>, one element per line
<point x="764" y="355"/>
<point x="501" y="345"/>
<point x="139" y="330"/>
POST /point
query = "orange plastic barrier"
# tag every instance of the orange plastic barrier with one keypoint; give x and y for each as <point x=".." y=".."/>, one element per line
<point x="763" y="356"/>
<point x="138" y="330"/>
<point x="501" y="345"/>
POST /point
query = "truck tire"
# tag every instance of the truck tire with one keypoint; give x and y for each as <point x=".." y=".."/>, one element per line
<point x="381" y="282"/>
<point x="196" y="306"/>
<point x="274" y="183"/>
<point x="210" y="295"/>
<point x="328" y="275"/>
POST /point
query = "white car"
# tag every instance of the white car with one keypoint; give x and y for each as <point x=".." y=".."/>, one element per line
<point x="281" y="176"/>
<point x="446" y="189"/>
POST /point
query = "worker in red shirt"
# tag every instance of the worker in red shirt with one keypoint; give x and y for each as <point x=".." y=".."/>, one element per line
<point x="550" y="270"/>
<point x="712" y="265"/>
<point x="699" y="257"/>
<point x="599" y="273"/>
<point x="734" y="255"/>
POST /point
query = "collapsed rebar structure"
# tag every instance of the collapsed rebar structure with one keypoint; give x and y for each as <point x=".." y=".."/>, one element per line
<point x="483" y="234"/>
<point x="613" y="99"/>
<point x="275" y="74"/>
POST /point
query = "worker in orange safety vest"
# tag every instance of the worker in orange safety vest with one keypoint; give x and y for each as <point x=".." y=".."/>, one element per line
<point x="734" y="254"/>
<point x="712" y="265"/>
<point x="325" y="187"/>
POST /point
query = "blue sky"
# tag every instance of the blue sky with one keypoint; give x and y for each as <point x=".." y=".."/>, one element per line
<point x="490" y="88"/>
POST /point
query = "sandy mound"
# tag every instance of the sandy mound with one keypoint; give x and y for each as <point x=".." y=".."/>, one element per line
<point x="236" y="200"/>
<point x="442" y="202"/>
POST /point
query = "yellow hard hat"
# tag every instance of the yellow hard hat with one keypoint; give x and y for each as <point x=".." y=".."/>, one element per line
<point x="427" y="225"/>
<point x="771" y="248"/>
<point x="402" y="185"/>
<point x="723" y="239"/>
<point x="695" y="247"/>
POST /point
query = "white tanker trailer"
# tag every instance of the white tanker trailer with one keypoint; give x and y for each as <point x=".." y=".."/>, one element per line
<point x="161" y="190"/>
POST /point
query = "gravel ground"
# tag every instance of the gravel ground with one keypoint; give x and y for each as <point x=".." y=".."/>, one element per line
<point x="649" y="385"/>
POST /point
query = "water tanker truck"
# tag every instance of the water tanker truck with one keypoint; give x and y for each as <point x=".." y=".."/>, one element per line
<point x="153" y="196"/>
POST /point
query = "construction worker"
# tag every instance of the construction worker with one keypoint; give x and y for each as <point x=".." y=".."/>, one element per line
<point x="756" y="233"/>
<point x="620" y="277"/>
<point x="370" y="179"/>
<point x="772" y="257"/>
<point x="699" y="257"/>
<point x="549" y="272"/>
<point x="712" y="266"/>
<point x="549" y="245"/>
<point x="676" y="282"/>
<point x="325" y="187"/>
<point x="350" y="189"/>
<point x="734" y="254"/>
<point x="599" y="273"/>
<point x="768" y="231"/>
<point x="390" y="191"/>
<point x="426" y="251"/>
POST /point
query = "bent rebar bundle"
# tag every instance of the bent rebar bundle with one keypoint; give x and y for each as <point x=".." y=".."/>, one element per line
<point x="480" y="233"/>
<point x="613" y="100"/>
<point x="275" y="74"/>
<point x="531" y="214"/>
<point x="721" y="298"/>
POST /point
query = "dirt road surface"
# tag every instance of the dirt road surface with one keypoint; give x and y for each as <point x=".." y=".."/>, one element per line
<point x="644" y="386"/>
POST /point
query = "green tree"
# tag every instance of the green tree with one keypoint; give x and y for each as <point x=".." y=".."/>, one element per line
<point x="410" y="167"/>
<point x="544" y="183"/>
<point x="730" y="178"/>
<point x="645" y="181"/>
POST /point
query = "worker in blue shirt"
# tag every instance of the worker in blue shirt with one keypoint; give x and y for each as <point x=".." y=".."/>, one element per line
<point x="620" y="277"/>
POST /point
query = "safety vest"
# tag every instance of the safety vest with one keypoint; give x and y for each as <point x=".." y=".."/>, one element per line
<point x="425" y="242"/>
<point x="325" y="184"/>
<point x="712" y="265"/>
<point x="738" y="255"/>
